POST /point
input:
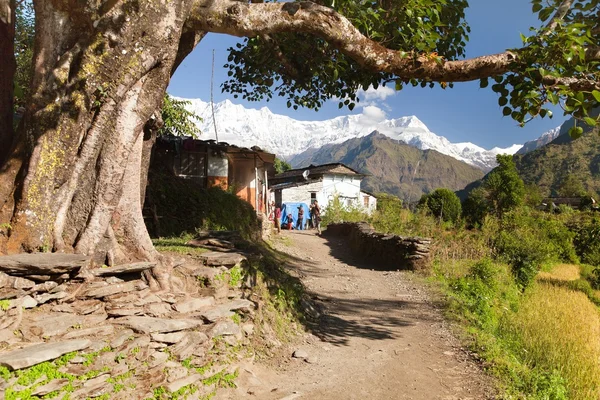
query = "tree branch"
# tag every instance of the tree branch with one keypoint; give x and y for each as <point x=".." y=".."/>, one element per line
<point x="249" y="19"/>
<point x="242" y="19"/>
<point x="559" y="15"/>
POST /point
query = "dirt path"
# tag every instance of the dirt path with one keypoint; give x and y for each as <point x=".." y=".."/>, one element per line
<point x="380" y="336"/>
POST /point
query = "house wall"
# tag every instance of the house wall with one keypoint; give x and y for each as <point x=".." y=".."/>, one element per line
<point x="301" y="194"/>
<point x="368" y="202"/>
<point x="242" y="178"/>
<point x="218" y="166"/>
<point x="346" y="187"/>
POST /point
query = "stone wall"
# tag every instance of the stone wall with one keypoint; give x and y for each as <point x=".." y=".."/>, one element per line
<point x="384" y="250"/>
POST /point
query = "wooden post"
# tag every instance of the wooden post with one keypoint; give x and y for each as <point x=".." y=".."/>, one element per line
<point x="255" y="185"/>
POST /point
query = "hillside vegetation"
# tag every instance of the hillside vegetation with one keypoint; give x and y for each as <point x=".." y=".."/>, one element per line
<point x="549" y="166"/>
<point x="395" y="167"/>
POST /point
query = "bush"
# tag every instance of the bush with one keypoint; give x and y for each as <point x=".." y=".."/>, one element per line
<point x="527" y="239"/>
<point x="442" y="203"/>
<point x="338" y="212"/>
<point x="475" y="207"/>
<point x="390" y="217"/>
<point x="587" y="242"/>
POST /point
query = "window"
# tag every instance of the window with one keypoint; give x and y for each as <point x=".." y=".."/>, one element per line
<point x="366" y="201"/>
<point x="192" y="164"/>
<point x="313" y="197"/>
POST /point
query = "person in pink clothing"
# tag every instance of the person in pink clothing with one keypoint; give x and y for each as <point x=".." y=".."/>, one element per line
<point x="278" y="218"/>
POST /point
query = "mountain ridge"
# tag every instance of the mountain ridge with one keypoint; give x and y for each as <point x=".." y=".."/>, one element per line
<point x="395" y="167"/>
<point x="288" y="137"/>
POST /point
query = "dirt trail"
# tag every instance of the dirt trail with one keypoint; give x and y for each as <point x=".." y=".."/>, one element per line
<point x="380" y="336"/>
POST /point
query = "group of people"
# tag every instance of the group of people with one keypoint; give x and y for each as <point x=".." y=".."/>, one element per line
<point x="314" y="218"/>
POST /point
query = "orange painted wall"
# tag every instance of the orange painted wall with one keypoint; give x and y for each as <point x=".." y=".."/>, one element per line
<point x="220" y="181"/>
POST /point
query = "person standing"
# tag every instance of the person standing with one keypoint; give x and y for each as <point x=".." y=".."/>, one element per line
<point x="278" y="218"/>
<point x="300" y="223"/>
<point x="316" y="214"/>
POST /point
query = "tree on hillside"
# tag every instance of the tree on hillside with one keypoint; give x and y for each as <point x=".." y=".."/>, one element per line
<point x="442" y="203"/>
<point x="281" y="165"/>
<point x="504" y="188"/>
<point x="571" y="186"/>
<point x="475" y="207"/>
<point x="70" y="179"/>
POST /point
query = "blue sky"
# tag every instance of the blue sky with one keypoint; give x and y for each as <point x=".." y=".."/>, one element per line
<point x="464" y="113"/>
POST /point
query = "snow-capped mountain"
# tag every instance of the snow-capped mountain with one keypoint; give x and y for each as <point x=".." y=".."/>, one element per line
<point x="286" y="136"/>
<point x="543" y="140"/>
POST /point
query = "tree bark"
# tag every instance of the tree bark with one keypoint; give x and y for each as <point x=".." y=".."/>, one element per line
<point x="7" y="73"/>
<point x="98" y="80"/>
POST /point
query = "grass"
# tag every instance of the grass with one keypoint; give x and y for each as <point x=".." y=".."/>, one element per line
<point x="178" y="244"/>
<point x="561" y="272"/>
<point x="559" y="329"/>
<point x="543" y="343"/>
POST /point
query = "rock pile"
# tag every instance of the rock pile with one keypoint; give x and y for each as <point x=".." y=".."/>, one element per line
<point x="104" y="333"/>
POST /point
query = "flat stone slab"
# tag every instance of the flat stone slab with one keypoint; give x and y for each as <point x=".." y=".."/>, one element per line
<point x="50" y="387"/>
<point x="188" y="345"/>
<point x="123" y="269"/>
<point x="227" y="309"/>
<point x="215" y="258"/>
<point x="192" y="305"/>
<point x="178" y="384"/>
<point x="42" y="263"/>
<point x="102" y="330"/>
<point x="157" y="325"/>
<point x="226" y="328"/>
<point x="110" y="290"/>
<point x="55" y="323"/>
<point x="169" y="338"/>
<point x="38" y="353"/>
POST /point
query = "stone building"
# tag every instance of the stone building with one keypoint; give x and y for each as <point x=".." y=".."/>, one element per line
<point x="322" y="183"/>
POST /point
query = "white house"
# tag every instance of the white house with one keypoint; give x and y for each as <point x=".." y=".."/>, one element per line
<point x="322" y="183"/>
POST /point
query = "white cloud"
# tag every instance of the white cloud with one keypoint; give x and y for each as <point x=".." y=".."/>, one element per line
<point x="379" y="94"/>
<point x="371" y="115"/>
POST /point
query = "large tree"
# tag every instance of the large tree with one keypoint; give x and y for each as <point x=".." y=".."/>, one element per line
<point x="71" y="180"/>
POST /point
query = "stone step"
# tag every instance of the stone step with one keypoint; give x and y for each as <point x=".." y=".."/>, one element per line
<point x="38" y="353"/>
<point x="27" y="264"/>
<point x="216" y="258"/>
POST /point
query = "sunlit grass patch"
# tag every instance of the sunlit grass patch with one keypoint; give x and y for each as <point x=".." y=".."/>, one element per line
<point x="178" y="244"/>
<point x="559" y="330"/>
<point x="561" y="272"/>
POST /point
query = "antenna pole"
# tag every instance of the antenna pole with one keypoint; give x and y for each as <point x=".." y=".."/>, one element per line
<point x="212" y="103"/>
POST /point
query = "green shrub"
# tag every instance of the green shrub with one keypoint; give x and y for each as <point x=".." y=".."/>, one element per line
<point x="336" y="212"/>
<point x="475" y="207"/>
<point x="443" y="204"/>
<point x="526" y="239"/>
<point x="184" y="207"/>
<point x="587" y="242"/>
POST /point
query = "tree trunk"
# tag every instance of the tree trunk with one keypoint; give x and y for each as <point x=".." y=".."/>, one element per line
<point x="98" y="78"/>
<point x="7" y="73"/>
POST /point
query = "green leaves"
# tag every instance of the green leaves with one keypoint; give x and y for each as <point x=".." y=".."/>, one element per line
<point x="306" y="70"/>
<point x="177" y="119"/>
